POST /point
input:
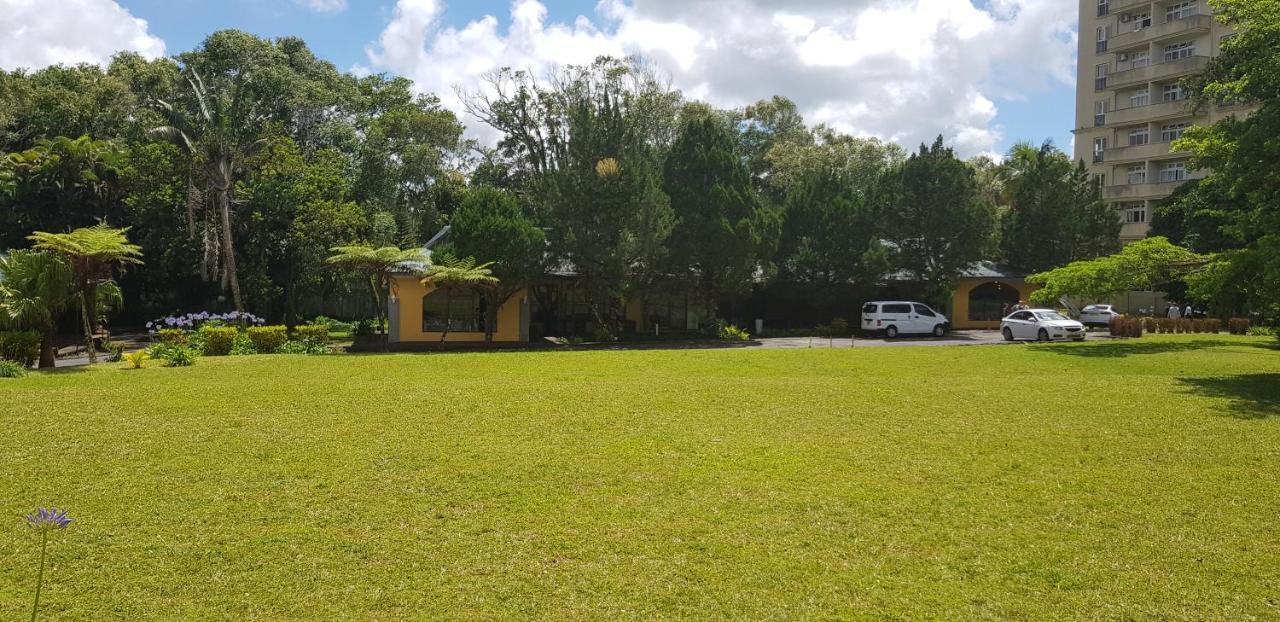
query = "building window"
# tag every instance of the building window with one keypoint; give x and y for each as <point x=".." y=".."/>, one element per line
<point x="1139" y="98"/>
<point x="1139" y="136"/>
<point x="1177" y="51"/>
<point x="1099" y="113"/>
<point x="1099" y="147"/>
<point x="1139" y="20"/>
<point x="1134" y="60"/>
<point x="1100" y="179"/>
<point x="1100" y="77"/>
<point x="1104" y="7"/>
<point x="1173" y="131"/>
<point x="1180" y="10"/>
<point x="1137" y="174"/>
<point x="1103" y="32"/>
<point x="459" y="311"/>
<point x="1173" y="93"/>
<point x="1134" y="213"/>
<point x="1173" y="171"/>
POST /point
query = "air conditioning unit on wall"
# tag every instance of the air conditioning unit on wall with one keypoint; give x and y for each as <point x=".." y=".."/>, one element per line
<point x="1124" y="56"/>
<point x="1125" y="19"/>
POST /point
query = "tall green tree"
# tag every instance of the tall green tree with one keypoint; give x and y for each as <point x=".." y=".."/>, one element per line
<point x="1241" y="150"/>
<point x="1140" y="266"/>
<point x="35" y="288"/>
<point x="94" y="254"/>
<point x="59" y="184"/>
<point x="724" y="234"/>
<point x="1055" y="213"/>
<point x="831" y="239"/>
<point x="935" y="218"/>
<point x="490" y="226"/>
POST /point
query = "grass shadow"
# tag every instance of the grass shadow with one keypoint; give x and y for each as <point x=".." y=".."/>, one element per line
<point x="1253" y="396"/>
<point x="1134" y="347"/>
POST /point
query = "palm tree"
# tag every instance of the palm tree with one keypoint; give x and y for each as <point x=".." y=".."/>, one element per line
<point x="378" y="264"/>
<point x="453" y="274"/>
<point x="35" y="286"/>
<point x="93" y="253"/>
<point x="219" y="131"/>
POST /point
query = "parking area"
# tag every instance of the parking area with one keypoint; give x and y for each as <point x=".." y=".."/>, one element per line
<point x="955" y="338"/>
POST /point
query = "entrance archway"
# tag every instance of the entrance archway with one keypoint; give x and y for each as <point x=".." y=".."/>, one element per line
<point x="988" y="302"/>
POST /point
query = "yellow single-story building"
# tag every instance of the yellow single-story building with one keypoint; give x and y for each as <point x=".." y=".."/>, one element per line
<point x="984" y="295"/>
<point x="419" y="314"/>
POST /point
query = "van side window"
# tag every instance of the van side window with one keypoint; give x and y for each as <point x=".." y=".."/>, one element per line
<point x="870" y="307"/>
<point x="925" y="311"/>
<point x="897" y="309"/>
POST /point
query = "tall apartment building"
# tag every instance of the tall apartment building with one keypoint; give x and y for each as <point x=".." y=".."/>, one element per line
<point x="1129" y="105"/>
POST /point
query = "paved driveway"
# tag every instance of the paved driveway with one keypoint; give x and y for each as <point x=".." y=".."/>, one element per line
<point x="956" y="338"/>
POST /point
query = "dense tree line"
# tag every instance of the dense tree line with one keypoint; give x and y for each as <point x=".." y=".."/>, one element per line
<point x="238" y="166"/>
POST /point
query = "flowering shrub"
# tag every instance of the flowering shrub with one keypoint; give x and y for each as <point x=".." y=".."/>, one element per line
<point x="217" y="340"/>
<point x="192" y="321"/>
<point x="267" y="339"/>
<point x="22" y="347"/>
<point x="172" y="336"/>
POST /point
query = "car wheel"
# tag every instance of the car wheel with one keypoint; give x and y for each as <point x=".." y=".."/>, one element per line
<point x="1043" y="336"/>
<point x="1008" y="334"/>
<point x="939" y="331"/>
<point x="891" y="332"/>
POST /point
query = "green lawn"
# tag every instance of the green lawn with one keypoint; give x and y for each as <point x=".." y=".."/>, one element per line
<point x="1120" y="480"/>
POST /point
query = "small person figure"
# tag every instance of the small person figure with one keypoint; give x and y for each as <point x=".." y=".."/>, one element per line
<point x="1187" y="312"/>
<point x="1175" y="312"/>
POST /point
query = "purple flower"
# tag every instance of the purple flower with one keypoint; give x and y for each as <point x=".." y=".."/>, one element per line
<point x="48" y="519"/>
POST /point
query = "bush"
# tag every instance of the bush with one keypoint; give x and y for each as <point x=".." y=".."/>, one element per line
<point x="1263" y="331"/>
<point x="173" y="336"/>
<point x="729" y="332"/>
<point x="312" y="333"/>
<point x="137" y="358"/>
<point x="268" y="339"/>
<point x="243" y="345"/>
<point x="1238" y="326"/>
<point x="364" y="328"/>
<point x="1129" y="327"/>
<point x="335" y="326"/>
<point x="217" y="340"/>
<point x="174" y="355"/>
<point x="304" y="347"/>
<point x="21" y="347"/>
<point x="12" y="369"/>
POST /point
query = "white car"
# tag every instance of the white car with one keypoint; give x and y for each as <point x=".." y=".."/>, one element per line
<point x="1098" y="315"/>
<point x="895" y="318"/>
<point x="1041" y="325"/>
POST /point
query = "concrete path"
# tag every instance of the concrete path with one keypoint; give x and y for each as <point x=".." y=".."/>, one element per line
<point x="956" y="338"/>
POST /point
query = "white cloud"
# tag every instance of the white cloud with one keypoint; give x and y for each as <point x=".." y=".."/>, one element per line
<point x="324" y="6"/>
<point x="39" y="33"/>
<point x="903" y="70"/>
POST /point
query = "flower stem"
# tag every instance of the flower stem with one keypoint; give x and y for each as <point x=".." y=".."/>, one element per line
<point x="44" y="545"/>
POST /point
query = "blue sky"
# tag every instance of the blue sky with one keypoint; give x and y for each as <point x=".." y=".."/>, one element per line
<point x="986" y="73"/>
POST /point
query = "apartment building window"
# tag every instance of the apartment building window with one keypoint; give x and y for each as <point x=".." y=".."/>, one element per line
<point x="1180" y="10"/>
<point x="1140" y="97"/>
<point x="1104" y="7"/>
<point x="1137" y="174"/>
<point x="1139" y="59"/>
<point x="1173" y="171"/>
<point x="1100" y="77"/>
<point x="1100" y="179"/>
<point x="1134" y="213"/>
<point x="1104" y="33"/>
<point x="1186" y="49"/>
<point x="1099" y="113"/>
<point x="1139" y="20"/>
<point x="1139" y="136"/>
<point x="1173" y="93"/>
<point x="1099" y="148"/>
<point x="1173" y="131"/>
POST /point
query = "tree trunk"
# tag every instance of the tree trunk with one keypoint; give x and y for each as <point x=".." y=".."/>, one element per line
<point x="88" y="308"/>
<point x="48" y="353"/>
<point x="228" y="251"/>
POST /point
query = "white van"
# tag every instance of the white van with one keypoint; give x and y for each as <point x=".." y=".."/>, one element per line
<point x="895" y="318"/>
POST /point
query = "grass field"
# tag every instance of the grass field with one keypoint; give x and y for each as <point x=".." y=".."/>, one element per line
<point x="1119" y="480"/>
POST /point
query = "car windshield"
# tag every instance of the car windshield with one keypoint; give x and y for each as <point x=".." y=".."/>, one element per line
<point x="1050" y="316"/>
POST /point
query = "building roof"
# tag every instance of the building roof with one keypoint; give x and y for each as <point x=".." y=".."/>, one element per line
<point x="976" y="270"/>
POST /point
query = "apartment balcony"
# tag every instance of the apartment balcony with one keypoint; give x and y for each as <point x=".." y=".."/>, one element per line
<point x="1152" y="112"/>
<point x="1132" y="231"/>
<point x="1119" y="6"/>
<point x="1166" y="70"/>
<point x="1191" y="23"/>
<point x="1137" y="192"/>
<point x="1138" y="153"/>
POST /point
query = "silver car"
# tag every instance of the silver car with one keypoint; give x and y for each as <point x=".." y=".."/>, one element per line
<point x="1041" y="325"/>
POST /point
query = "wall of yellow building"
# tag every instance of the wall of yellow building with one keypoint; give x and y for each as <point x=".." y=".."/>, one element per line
<point x="410" y="291"/>
<point x="960" y="301"/>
